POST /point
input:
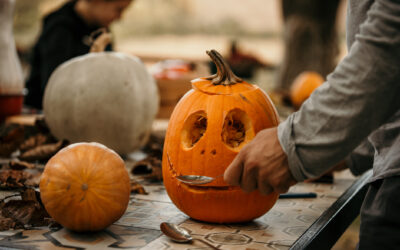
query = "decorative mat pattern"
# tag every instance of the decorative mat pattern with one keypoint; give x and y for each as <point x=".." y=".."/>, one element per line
<point x="139" y="227"/>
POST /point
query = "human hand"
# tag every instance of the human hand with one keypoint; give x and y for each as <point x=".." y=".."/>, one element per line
<point x="261" y="164"/>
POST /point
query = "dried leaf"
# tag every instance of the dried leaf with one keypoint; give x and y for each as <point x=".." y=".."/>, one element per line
<point x="6" y="223"/>
<point x="27" y="211"/>
<point x="155" y="175"/>
<point x="137" y="188"/>
<point x="149" y="167"/>
<point x="33" y="141"/>
<point x="19" y="210"/>
<point x="155" y="144"/>
<point x="142" y="167"/>
<point x="41" y="125"/>
<point x="51" y="223"/>
<point x="10" y="141"/>
<point x="20" y="165"/>
<point x="13" y="178"/>
<point x="43" y="152"/>
<point x="30" y="194"/>
<point x="33" y="180"/>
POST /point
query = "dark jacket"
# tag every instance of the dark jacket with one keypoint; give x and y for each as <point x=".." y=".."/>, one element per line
<point x="63" y="37"/>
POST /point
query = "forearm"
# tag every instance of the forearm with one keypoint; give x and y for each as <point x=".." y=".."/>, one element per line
<point x="358" y="97"/>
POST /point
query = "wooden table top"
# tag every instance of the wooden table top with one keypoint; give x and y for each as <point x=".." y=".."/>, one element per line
<point x="312" y="223"/>
<point x="138" y="228"/>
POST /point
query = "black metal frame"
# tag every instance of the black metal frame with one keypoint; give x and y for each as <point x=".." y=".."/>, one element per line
<point x="328" y="228"/>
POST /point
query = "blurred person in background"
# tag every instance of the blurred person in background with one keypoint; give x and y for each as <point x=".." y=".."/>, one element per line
<point x="354" y="115"/>
<point x="66" y="33"/>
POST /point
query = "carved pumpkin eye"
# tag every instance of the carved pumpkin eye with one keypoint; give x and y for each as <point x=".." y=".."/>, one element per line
<point x="194" y="128"/>
<point x="236" y="129"/>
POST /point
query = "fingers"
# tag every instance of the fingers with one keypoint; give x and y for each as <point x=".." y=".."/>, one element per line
<point x="233" y="174"/>
<point x="249" y="178"/>
<point x="264" y="187"/>
<point x="236" y="175"/>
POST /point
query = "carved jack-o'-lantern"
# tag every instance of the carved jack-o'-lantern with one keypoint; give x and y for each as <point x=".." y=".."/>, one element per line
<point x="207" y="128"/>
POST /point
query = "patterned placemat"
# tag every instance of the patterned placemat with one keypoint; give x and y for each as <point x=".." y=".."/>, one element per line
<point x="139" y="227"/>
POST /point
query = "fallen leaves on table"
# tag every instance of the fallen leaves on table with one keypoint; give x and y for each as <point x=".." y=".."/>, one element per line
<point x="24" y="212"/>
<point x="29" y="142"/>
<point x="42" y="152"/>
<point x="150" y="168"/>
<point x="11" y="138"/>
<point x="27" y="147"/>
<point x="33" y="141"/>
<point x="10" y="179"/>
<point x="137" y="188"/>
<point x="19" y="174"/>
<point x="7" y="223"/>
<point x="20" y="165"/>
<point x="154" y="146"/>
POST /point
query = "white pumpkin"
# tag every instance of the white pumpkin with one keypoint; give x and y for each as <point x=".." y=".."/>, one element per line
<point x="106" y="97"/>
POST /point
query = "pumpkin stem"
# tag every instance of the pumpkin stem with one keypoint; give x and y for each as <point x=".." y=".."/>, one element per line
<point x="224" y="75"/>
<point x="99" y="39"/>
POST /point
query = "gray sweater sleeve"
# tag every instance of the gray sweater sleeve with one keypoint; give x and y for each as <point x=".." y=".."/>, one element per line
<point x="361" y="159"/>
<point x="360" y="95"/>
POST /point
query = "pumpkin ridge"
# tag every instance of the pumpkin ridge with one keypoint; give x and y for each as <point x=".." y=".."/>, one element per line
<point x="63" y="164"/>
<point x="99" y="180"/>
<point x="111" y="203"/>
<point x="271" y="109"/>
<point x="57" y="180"/>
<point x="105" y="194"/>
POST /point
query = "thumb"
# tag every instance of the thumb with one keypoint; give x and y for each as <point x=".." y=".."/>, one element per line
<point x="233" y="174"/>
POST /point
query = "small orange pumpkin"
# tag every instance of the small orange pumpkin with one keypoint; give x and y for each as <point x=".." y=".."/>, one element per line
<point x="85" y="187"/>
<point x="207" y="128"/>
<point x="302" y="87"/>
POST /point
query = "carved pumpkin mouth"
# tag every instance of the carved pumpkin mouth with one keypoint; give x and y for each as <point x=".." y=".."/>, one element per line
<point x="205" y="188"/>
